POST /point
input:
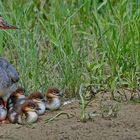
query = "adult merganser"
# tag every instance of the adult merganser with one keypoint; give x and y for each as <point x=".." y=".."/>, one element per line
<point x="8" y="80"/>
<point x="8" y="74"/>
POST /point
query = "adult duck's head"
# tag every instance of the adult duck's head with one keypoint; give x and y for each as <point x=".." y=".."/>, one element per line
<point x="5" y="26"/>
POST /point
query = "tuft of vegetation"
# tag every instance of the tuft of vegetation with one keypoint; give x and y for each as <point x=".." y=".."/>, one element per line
<point x="66" y="43"/>
<point x="85" y="98"/>
<point x="56" y="116"/>
<point x="109" y="109"/>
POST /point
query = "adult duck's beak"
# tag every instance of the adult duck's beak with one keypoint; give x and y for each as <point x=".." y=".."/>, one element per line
<point x="5" y="26"/>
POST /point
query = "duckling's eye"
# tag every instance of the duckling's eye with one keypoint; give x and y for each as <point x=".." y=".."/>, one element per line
<point x="56" y="93"/>
<point x="32" y="107"/>
<point x="41" y="97"/>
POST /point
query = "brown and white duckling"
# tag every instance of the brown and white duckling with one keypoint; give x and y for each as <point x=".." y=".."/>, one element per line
<point x="53" y="99"/>
<point x="38" y="98"/>
<point x="16" y="97"/>
<point x="24" y="113"/>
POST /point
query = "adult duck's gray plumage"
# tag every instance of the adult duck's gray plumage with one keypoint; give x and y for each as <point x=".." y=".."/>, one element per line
<point x="8" y="74"/>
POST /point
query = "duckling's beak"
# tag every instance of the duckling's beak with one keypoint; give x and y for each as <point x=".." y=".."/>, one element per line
<point x="30" y="109"/>
<point x="35" y="100"/>
<point x="19" y="95"/>
<point x="37" y="110"/>
<point x="43" y="100"/>
<point x="61" y="94"/>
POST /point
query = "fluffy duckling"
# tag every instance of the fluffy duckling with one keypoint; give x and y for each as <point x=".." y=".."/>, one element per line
<point x="16" y="97"/>
<point x="24" y="113"/>
<point x="3" y="112"/>
<point x="38" y="98"/>
<point x="53" y="99"/>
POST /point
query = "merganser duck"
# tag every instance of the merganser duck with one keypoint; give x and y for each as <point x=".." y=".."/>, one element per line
<point x="8" y="74"/>
<point x="24" y="114"/>
<point x="8" y="79"/>
<point x="16" y="97"/>
<point x="39" y="99"/>
<point x="53" y="99"/>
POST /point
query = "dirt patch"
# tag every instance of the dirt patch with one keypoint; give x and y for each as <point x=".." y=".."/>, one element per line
<point x="124" y="127"/>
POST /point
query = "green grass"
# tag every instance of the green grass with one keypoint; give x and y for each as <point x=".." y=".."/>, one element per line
<point x="66" y="43"/>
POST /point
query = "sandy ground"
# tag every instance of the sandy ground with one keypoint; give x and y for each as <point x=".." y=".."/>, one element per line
<point x="124" y="127"/>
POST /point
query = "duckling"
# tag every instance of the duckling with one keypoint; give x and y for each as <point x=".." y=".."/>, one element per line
<point x="3" y="112"/>
<point x="38" y="98"/>
<point x="53" y="99"/>
<point x="16" y="97"/>
<point x="24" y="113"/>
